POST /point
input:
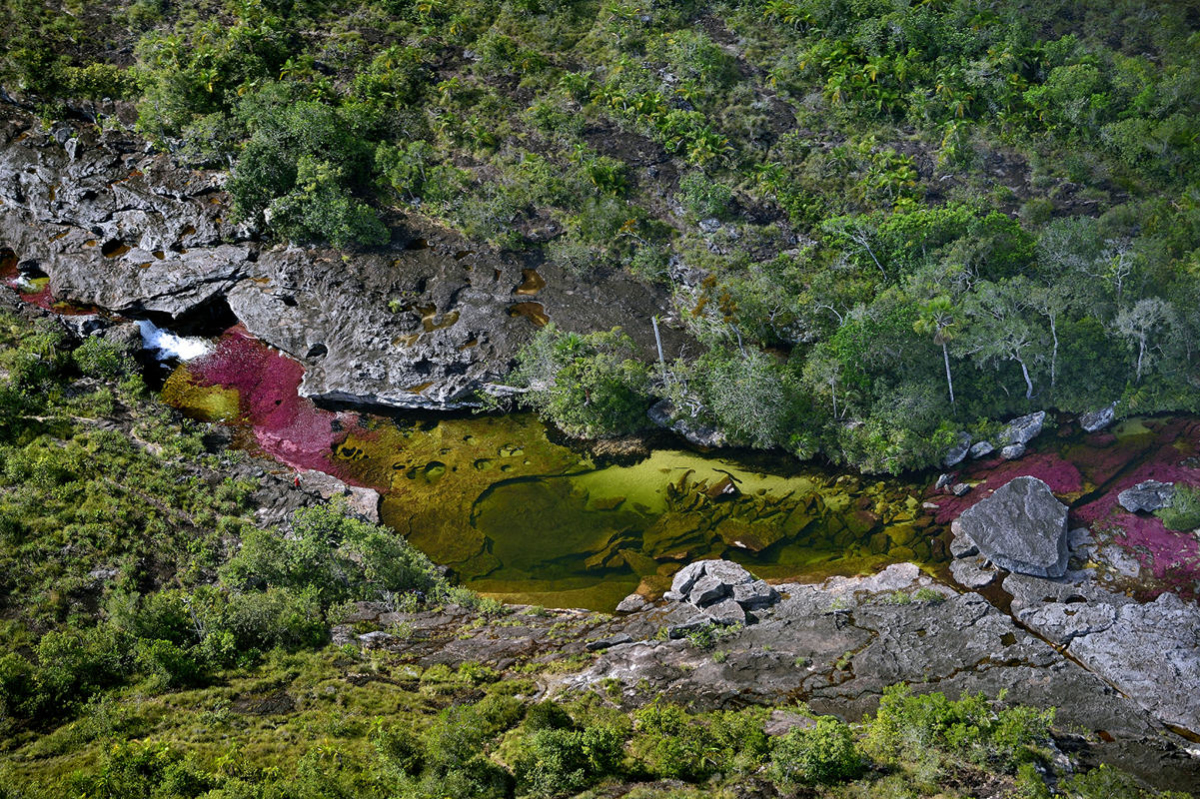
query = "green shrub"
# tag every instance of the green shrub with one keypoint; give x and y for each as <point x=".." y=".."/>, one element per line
<point x="277" y="617"/>
<point x="555" y="762"/>
<point x="168" y="662"/>
<point x="818" y="755"/>
<point x="1184" y="511"/>
<point x="74" y="664"/>
<point x="911" y="727"/>
<point x="705" y="197"/>
<point x="588" y="385"/>
<point x="670" y="744"/>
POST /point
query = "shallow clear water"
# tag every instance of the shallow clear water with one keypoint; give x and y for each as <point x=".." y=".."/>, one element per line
<point x="524" y="518"/>
<point x="521" y="517"/>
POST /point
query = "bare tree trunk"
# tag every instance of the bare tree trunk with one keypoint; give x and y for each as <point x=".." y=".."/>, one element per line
<point x="658" y="341"/>
<point x="1053" y="354"/>
<point x="1141" y="354"/>
<point x="949" y="380"/>
<point x="1028" y="382"/>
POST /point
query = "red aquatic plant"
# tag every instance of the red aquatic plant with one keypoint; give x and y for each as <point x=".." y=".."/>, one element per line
<point x="287" y="426"/>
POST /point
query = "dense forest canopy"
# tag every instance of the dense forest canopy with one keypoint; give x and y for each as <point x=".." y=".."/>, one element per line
<point x="885" y="221"/>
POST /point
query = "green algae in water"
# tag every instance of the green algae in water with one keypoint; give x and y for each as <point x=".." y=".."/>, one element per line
<point x="520" y="517"/>
<point x="547" y="538"/>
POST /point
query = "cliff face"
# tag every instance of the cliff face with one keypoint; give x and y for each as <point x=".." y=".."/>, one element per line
<point x="421" y="323"/>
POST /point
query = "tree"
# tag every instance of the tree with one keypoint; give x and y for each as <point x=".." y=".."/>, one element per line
<point x="1001" y="331"/>
<point x="1051" y="301"/>
<point x="937" y="318"/>
<point x="587" y="385"/>
<point x="1139" y="324"/>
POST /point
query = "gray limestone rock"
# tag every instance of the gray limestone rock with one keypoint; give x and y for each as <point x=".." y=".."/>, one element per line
<point x="1012" y="452"/>
<point x="1023" y="429"/>
<point x="1095" y="421"/>
<point x="728" y="572"/>
<point x="958" y="453"/>
<point x="686" y="577"/>
<point x="1147" y="496"/>
<point x="632" y="604"/>
<point x="425" y="323"/>
<point x="707" y="590"/>
<point x="971" y="572"/>
<point x="1151" y="653"/>
<point x="1021" y="527"/>
<point x="727" y="611"/>
<point x="609" y="642"/>
<point x="981" y="449"/>
<point x="756" y="595"/>
<point x="963" y="547"/>
<point x="960" y="489"/>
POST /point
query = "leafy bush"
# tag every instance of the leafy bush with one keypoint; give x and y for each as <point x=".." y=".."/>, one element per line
<point x="909" y="727"/>
<point x="555" y="762"/>
<point x="670" y="744"/>
<point x="705" y="197"/>
<point x="1184" y="511"/>
<point x="588" y="385"/>
<point x="301" y="168"/>
<point x="822" y="754"/>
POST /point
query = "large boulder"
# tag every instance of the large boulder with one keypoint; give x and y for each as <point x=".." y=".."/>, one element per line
<point x="1023" y="429"/>
<point x="1095" y="421"/>
<point x="1147" y="496"/>
<point x="723" y="589"/>
<point x="1021" y="527"/>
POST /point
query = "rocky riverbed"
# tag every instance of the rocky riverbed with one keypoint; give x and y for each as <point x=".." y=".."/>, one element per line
<point x="423" y="322"/>
<point x="1095" y="618"/>
<point x="836" y="645"/>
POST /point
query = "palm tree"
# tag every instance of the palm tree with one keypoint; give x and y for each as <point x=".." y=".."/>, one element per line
<point x="937" y="317"/>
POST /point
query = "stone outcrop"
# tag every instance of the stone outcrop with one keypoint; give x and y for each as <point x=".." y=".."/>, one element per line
<point x="1147" y="496"/>
<point x="1095" y="421"/>
<point x="424" y="322"/>
<point x="836" y="645"/>
<point x="724" y="591"/>
<point x="1150" y="652"/>
<point x="1023" y="429"/>
<point x="1021" y="527"/>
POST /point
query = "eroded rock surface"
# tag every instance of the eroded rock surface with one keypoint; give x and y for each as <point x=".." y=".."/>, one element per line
<point x="1147" y="496"/>
<point x="1150" y="652"/>
<point x="1021" y="527"/>
<point x="424" y="322"/>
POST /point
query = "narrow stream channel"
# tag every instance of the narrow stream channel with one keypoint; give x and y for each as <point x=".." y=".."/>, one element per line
<point x="523" y="518"/>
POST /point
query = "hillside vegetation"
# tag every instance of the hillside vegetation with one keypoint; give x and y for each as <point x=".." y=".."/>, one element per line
<point x="157" y="641"/>
<point x="885" y="221"/>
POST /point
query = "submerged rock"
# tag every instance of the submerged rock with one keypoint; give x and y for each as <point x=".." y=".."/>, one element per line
<point x="1147" y="496"/>
<point x="1021" y="527"/>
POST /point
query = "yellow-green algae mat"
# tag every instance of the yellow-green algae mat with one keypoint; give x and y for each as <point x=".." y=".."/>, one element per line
<point x="522" y="518"/>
